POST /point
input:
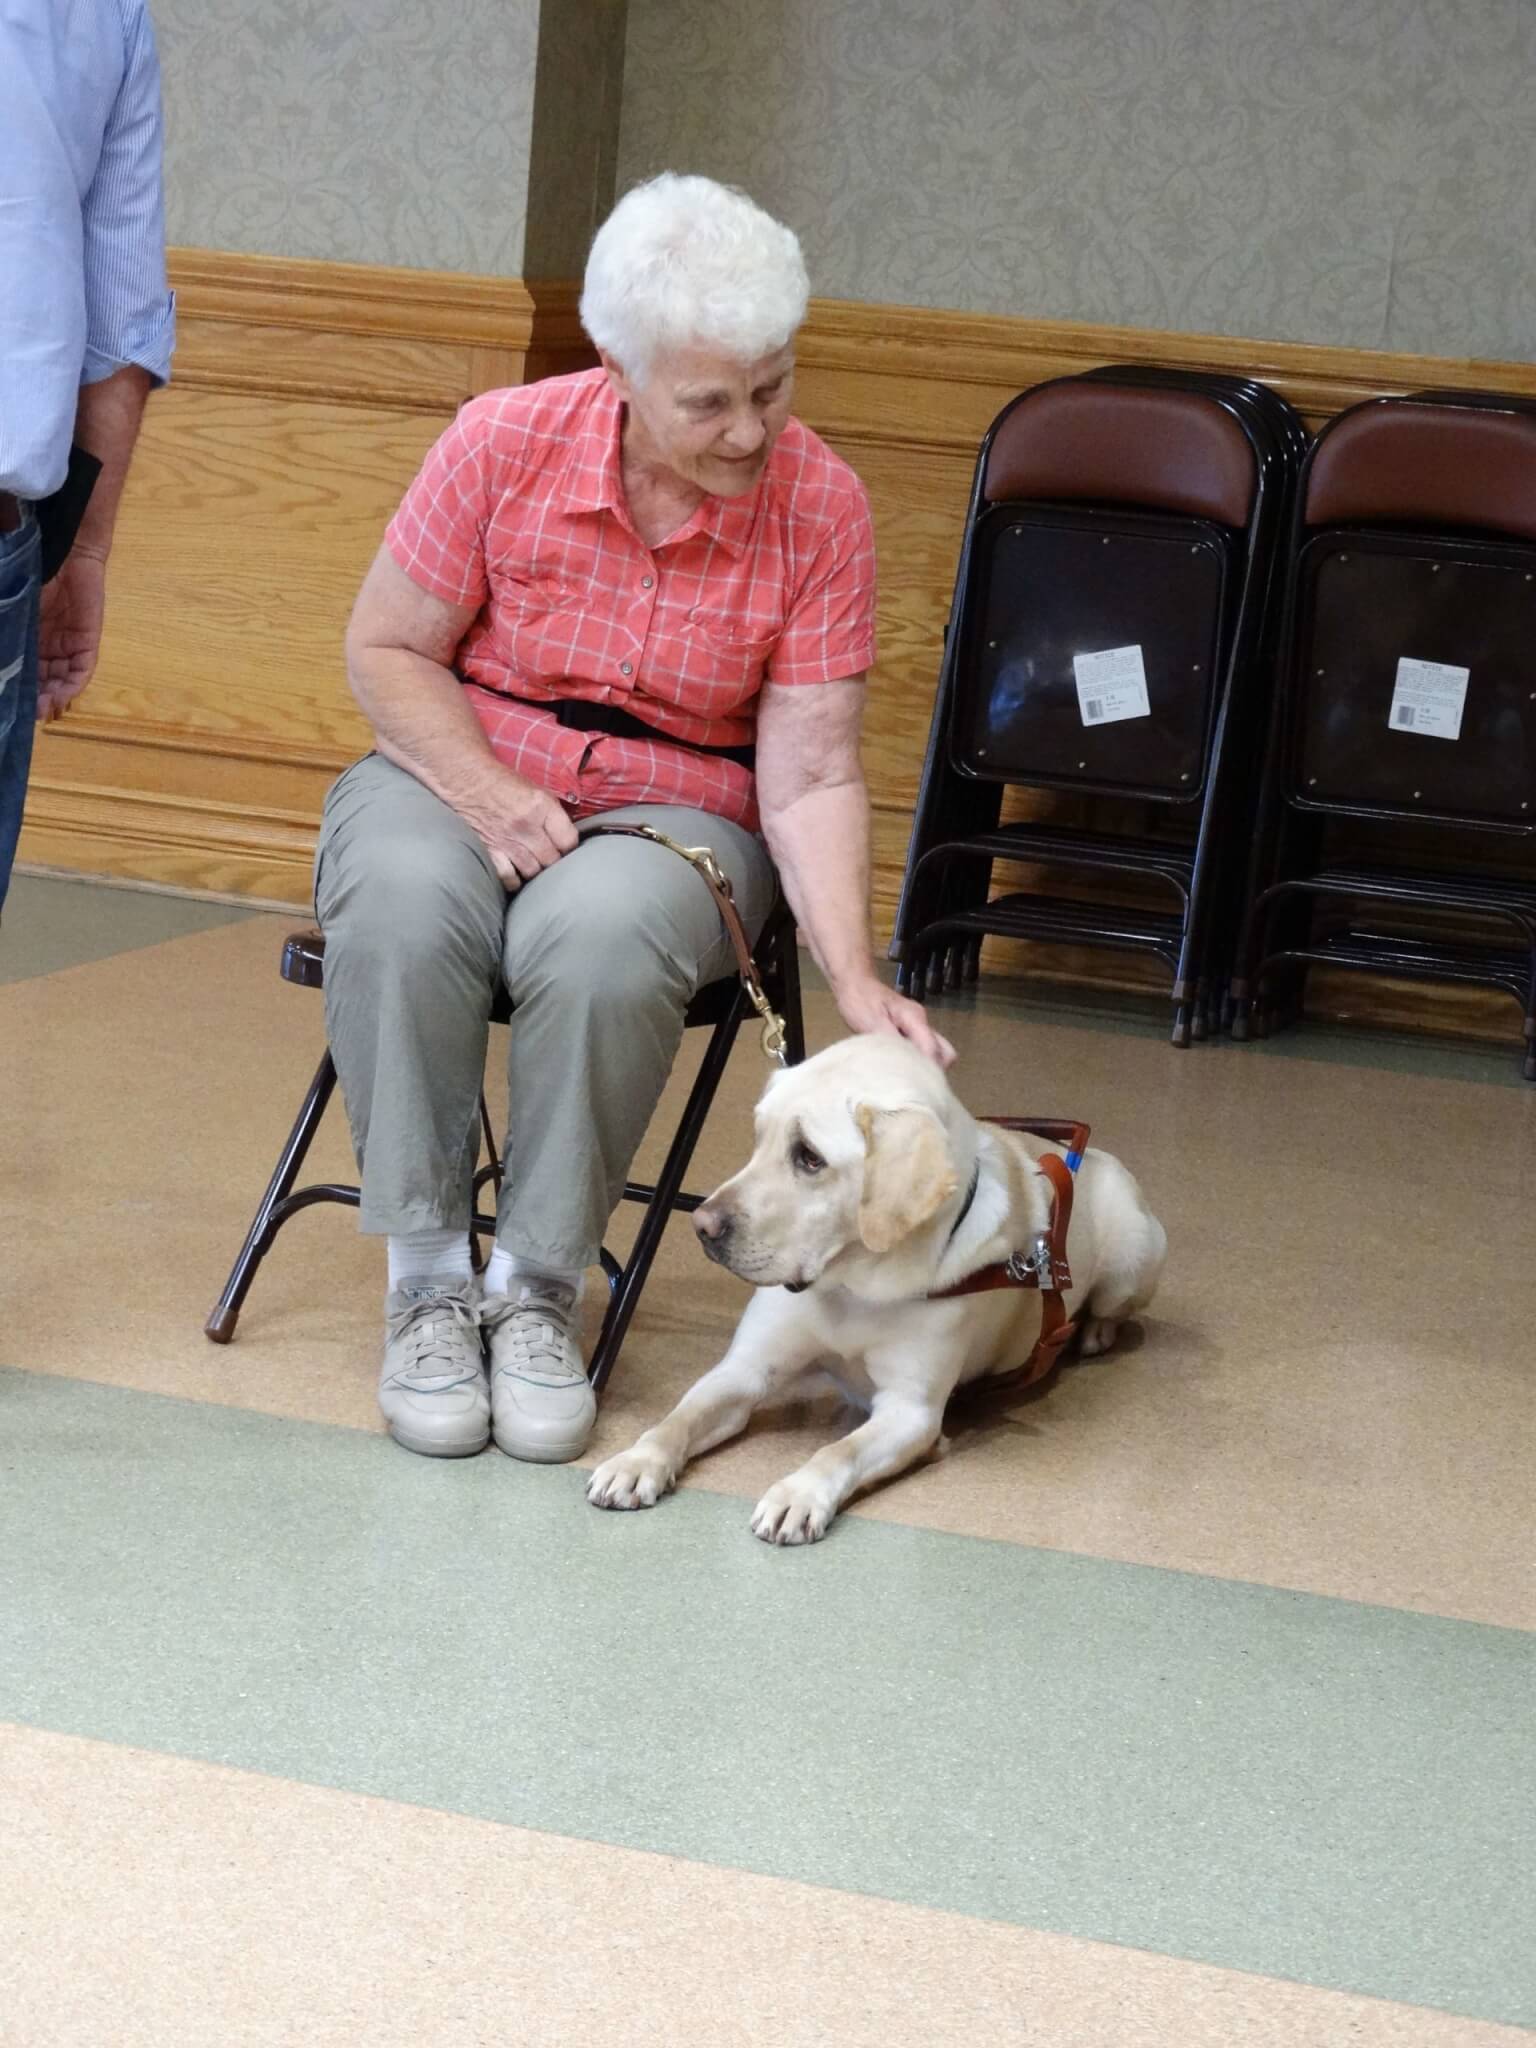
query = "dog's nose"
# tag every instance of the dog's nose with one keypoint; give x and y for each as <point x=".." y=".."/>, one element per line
<point x="713" y="1223"/>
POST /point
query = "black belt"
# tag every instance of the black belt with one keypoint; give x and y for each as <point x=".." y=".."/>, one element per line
<point x="578" y="714"/>
<point x="10" y="513"/>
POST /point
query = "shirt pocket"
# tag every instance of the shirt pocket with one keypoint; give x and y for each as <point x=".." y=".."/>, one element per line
<point x="535" y="623"/>
<point x="708" y="662"/>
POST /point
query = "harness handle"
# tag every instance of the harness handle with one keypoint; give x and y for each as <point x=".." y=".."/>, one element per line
<point x="1056" y="1130"/>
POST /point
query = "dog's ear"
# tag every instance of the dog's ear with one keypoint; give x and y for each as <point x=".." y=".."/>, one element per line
<point x="908" y="1173"/>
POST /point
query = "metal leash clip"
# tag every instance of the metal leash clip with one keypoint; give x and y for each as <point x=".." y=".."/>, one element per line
<point x="703" y="858"/>
<point x="775" y="1037"/>
<point x="1034" y="1268"/>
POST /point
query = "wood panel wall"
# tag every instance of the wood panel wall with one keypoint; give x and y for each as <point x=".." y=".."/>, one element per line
<point x="303" y="399"/>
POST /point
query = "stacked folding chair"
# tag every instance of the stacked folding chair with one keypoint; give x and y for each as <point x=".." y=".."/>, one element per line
<point x="1406" y="700"/>
<point x="1112" y="615"/>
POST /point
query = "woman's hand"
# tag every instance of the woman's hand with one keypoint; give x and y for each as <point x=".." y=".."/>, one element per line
<point x="401" y="645"/>
<point x="868" y="1005"/>
<point x="525" y="829"/>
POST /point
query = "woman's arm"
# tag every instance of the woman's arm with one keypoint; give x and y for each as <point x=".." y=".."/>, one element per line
<point x="815" y="810"/>
<point x="400" y="646"/>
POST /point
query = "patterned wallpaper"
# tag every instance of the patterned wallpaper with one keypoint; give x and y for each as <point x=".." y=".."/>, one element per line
<point x="1349" y="171"/>
<point x="367" y="131"/>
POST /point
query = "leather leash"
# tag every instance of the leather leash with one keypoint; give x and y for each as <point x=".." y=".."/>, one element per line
<point x="704" y="864"/>
<point x="1043" y="1266"/>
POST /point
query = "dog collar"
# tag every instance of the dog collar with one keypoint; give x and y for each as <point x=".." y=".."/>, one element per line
<point x="965" y="1206"/>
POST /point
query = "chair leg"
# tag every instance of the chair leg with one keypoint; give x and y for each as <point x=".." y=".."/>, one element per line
<point x="625" y="1293"/>
<point x="493" y="1157"/>
<point x="491" y="1173"/>
<point x="1200" y="1018"/>
<point x="789" y="982"/>
<point x="220" y="1325"/>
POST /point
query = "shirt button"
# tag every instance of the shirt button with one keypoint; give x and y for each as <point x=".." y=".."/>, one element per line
<point x="646" y="582"/>
<point x="626" y="668"/>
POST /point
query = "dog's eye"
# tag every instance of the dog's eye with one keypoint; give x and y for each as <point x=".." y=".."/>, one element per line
<point x="804" y="1160"/>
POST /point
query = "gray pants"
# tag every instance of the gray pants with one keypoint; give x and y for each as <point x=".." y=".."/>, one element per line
<point x="600" y="953"/>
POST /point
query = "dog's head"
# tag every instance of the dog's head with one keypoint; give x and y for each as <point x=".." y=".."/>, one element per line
<point x="857" y="1150"/>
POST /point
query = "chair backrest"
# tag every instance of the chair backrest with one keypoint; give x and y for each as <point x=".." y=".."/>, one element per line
<point x="1409" y="462"/>
<point x="1280" y="429"/>
<point x="1081" y="441"/>
<point x="1103" y="574"/>
<point x="1411" y="657"/>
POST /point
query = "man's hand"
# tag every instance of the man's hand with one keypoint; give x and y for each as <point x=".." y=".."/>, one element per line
<point x="69" y="632"/>
<point x="107" y="415"/>
<point x="525" y="829"/>
<point x="871" y="1006"/>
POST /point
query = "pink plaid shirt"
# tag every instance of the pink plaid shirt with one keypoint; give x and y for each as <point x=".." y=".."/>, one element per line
<point x="519" y="509"/>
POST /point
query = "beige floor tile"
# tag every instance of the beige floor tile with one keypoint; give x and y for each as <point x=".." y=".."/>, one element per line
<point x="1333" y="1391"/>
<point x="148" y="1902"/>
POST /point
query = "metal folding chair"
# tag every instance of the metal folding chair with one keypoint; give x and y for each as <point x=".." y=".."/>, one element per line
<point x="1407" y="698"/>
<point x="1110" y="611"/>
<point x="721" y="1007"/>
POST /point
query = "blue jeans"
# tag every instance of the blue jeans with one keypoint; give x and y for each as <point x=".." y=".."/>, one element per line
<point x="19" y="563"/>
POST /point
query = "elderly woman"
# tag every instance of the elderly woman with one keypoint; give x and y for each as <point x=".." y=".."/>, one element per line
<point x="599" y="595"/>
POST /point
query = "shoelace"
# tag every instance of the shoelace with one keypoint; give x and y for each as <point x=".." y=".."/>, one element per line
<point x="540" y="1319"/>
<point x="433" y="1327"/>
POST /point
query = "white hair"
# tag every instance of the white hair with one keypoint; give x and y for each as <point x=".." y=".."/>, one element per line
<point x="683" y="262"/>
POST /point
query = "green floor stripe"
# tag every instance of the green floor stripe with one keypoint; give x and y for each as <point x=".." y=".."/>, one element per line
<point x="51" y="923"/>
<point x="1272" y="1781"/>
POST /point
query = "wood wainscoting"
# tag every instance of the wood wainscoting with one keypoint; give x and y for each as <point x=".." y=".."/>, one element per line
<point x="305" y="395"/>
<point x="303" y="398"/>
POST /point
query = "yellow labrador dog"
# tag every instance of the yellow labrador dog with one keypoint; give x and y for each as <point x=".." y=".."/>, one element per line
<point x="871" y="1188"/>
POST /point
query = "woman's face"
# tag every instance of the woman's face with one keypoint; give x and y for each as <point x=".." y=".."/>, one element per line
<point x="710" y="418"/>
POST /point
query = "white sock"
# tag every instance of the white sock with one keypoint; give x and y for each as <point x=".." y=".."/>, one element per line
<point x="504" y="1272"/>
<point x="438" y="1255"/>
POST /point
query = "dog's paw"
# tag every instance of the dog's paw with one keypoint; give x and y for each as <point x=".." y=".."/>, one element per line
<point x="636" y="1478"/>
<point x="794" y="1511"/>
<point x="1099" y="1334"/>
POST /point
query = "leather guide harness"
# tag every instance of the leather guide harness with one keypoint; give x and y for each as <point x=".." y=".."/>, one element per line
<point x="1043" y="1266"/>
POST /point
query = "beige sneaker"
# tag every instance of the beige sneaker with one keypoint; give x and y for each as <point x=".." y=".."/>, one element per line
<point x="432" y="1386"/>
<point x="542" y="1403"/>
